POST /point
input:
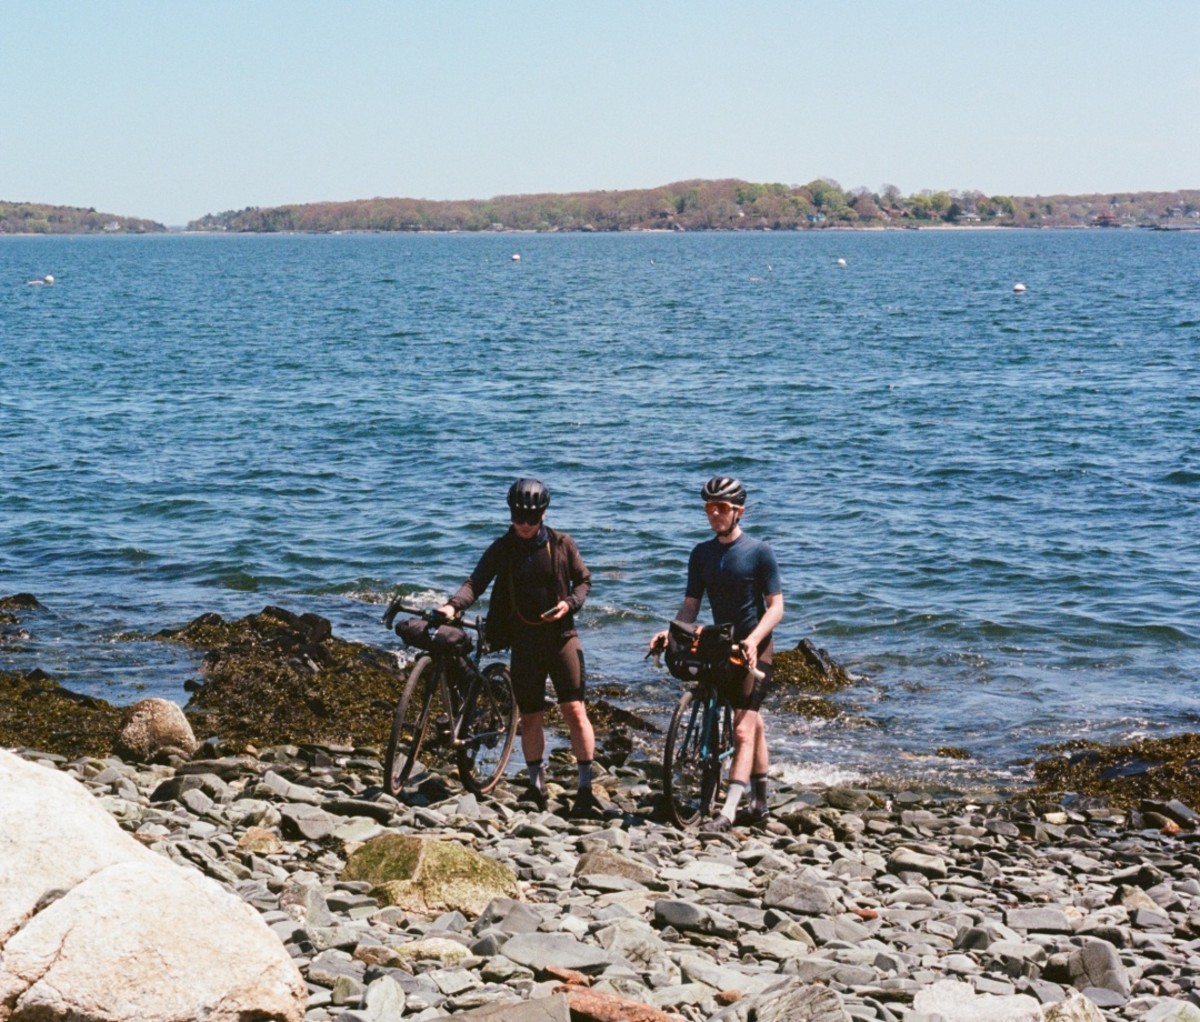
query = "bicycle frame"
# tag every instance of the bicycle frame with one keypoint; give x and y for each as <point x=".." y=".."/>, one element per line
<point x="480" y="720"/>
<point x="699" y="742"/>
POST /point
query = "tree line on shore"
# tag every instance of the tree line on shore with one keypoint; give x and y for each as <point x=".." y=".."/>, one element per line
<point x="729" y="204"/>
<point x="40" y="218"/>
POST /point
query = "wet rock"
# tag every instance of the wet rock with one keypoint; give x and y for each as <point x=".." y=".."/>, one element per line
<point x="811" y="668"/>
<point x="279" y="677"/>
<point x="36" y="712"/>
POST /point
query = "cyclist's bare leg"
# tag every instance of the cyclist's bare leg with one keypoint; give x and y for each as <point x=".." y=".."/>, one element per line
<point x="749" y="744"/>
<point x="761" y="756"/>
<point x="583" y="737"/>
<point x="533" y="736"/>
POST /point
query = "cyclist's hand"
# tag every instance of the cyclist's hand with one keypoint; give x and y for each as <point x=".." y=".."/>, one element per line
<point x="658" y="643"/>
<point x="559" y="610"/>
<point x="749" y="654"/>
<point x="447" y="611"/>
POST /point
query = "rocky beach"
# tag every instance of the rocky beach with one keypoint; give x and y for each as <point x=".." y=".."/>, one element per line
<point x="850" y="903"/>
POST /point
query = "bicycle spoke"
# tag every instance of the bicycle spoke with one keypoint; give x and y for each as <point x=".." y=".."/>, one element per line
<point x="414" y="730"/>
<point x="487" y="730"/>
<point x="688" y="787"/>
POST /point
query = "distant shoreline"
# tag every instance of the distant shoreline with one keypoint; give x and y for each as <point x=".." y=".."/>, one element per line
<point x="529" y="232"/>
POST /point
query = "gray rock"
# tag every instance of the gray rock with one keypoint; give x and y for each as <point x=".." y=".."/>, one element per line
<point x="908" y="860"/>
<point x="1097" y="964"/>
<point x="799" y="895"/>
<point x="1040" y="919"/>
<point x="537" y="950"/>
<point x="305" y="822"/>
<point x="688" y="917"/>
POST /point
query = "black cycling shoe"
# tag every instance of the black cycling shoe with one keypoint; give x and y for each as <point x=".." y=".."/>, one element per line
<point x="754" y="814"/>
<point x="535" y="795"/>
<point x="719" y="824"/>
<point x="587" y="806"/>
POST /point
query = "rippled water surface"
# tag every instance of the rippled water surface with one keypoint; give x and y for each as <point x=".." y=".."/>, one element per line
<point x="984" y="503"/>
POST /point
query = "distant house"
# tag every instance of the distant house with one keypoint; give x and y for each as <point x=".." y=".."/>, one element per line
<point x="112" y="226"/>
<point x="969" y="216"/>
<point x="1107" y="220"/>
<point x="816" y="218"/>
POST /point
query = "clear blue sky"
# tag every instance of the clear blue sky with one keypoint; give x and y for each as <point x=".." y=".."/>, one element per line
<point x="172" y="110"/>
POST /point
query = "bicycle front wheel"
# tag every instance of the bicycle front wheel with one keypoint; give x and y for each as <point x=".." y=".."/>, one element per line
<point x="487" y="731"/>
<point x="411" y="723"/>
<point x="692" y="762"/>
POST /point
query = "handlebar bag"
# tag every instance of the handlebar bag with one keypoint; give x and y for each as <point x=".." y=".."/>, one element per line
<point x="415" y="631"/>
<point x="699" y="651"/>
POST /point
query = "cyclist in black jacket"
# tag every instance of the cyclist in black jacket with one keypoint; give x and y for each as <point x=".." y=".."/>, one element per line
<point x="541" y="581"/>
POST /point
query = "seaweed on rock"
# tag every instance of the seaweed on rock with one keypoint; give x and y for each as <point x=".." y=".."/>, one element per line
<point x="279" y="677"/>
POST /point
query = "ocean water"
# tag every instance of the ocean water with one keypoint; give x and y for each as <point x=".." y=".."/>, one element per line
<point x="984" y="503"/>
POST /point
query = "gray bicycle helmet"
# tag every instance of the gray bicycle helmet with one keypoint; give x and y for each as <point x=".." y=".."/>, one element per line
<point x="724" y="488"/>
<point x="528" y="495"/>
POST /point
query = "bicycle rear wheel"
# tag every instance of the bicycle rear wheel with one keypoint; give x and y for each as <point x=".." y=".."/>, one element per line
<point x="692" y="762"/>
<point x="410" y="725"/>
<point x="488" y="729"/>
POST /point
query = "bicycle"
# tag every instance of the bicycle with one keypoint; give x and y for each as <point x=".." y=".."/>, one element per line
<point x="700" y="736"/>
<point x="473" y="709"/>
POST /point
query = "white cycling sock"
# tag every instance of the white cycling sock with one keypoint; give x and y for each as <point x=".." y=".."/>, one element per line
<point x="733" y="798"/>
<point x="537" y="773"/>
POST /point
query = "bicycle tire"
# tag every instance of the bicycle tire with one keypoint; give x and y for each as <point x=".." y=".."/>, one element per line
<point x="691" y="778"/>
<point x="410" y="724"/>
<point x="488" y="730"/>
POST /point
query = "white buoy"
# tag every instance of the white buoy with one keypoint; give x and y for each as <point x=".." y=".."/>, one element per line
<point x="1019" y="288"/>
<point x="516" y="258"/>
<point x="841" y="262"/>
<point x="40" y="281"/>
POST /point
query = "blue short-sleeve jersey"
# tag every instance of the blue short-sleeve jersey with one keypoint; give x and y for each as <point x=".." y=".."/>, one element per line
<point x="737" y="578"/>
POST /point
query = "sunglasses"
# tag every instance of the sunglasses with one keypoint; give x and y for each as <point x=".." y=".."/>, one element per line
<point x="718" y="507"/>
<point x="526" y="517"/>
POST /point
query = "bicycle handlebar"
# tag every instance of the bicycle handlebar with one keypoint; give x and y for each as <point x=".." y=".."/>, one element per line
<point x="428" y="613"/>
<point x="735" y="655"/>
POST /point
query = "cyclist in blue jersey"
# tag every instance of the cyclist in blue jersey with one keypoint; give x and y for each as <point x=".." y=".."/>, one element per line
<point x="740" y="577"/>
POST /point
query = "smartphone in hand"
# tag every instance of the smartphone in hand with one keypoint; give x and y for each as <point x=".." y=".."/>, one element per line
<point x="548" y="614"/>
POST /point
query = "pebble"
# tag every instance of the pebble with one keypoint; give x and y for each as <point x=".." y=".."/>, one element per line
<point x="846" y="905"/>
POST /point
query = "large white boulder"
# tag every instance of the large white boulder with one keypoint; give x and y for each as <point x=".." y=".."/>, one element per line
<point x="95" y="926"/>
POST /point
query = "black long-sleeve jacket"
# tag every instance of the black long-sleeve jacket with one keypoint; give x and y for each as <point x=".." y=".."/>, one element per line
<point x="572" y="579"/>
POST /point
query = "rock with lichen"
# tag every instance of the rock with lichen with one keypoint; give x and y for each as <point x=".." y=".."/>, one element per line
<point x="153" y="726"/>
<point x="430" y="876"/>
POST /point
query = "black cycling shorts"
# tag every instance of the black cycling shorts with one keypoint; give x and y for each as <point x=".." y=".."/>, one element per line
<point x="536" y="656"/>
<point x="749" y="695"/>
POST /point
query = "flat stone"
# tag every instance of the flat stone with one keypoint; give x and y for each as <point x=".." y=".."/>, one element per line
<point x="537" y="950"/>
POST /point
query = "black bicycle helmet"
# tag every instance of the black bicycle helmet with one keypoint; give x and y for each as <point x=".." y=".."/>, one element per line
<point x="724" y="488"/>
<point x="528" y="495"/>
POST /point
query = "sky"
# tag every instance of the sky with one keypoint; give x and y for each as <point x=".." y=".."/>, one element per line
<point x="171" y="110"/>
